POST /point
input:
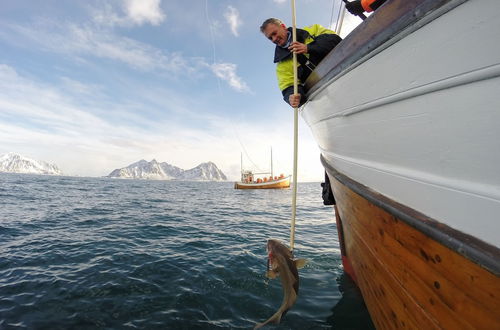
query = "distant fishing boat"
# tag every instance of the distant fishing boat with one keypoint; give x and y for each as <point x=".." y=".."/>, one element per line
<point x="406" y="113"/>
<point x="249" y="181"/>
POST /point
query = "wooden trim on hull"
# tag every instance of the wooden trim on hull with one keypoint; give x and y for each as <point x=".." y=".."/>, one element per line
<point x="408" y="277"/>
<point x="280" y="184"/>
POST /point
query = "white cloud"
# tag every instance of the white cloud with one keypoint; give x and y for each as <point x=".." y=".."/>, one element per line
<point x="91" y="41"/>
<point x="144" y="11"/>
<point x="233" y="19"/>
<point x="51" y="123"/>
<point x="102" y="43"/>
<point x="280" y="1"/>
<point x="227" y="72"/>
<point x="40" y="105"/>
<point x="76" y="87"/>
<point x="87" y="41"/>
<point x="131" y="13"/>
<point x="107" y="16"/>
<point x="48" y="123"/>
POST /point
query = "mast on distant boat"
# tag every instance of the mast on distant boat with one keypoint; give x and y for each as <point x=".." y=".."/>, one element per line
<point x="272" y="162"/>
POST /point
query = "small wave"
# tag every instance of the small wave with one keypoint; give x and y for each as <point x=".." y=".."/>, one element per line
<point x="98" y="253"/>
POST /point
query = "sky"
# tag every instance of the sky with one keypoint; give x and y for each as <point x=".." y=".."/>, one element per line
<point x="96" y="85"/>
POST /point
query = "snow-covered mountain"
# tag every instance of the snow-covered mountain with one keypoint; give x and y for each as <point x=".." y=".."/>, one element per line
<point x="147" y="170"/>
<point x="15" y="163"/>
<point x="203" y="172"/>
<point x="164" y="171"/>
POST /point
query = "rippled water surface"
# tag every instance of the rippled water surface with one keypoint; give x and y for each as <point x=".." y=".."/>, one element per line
<point x="90" y="253"/>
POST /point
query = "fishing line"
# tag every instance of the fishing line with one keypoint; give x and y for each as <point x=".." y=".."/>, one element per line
<point x="214" y="58"/>
<point x="210" y="27"/>
<point x="244" y="149"/>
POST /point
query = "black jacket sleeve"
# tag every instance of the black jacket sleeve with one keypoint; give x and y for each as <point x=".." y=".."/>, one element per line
<point x="289" y="91"/>
<point x="321" y="46"/>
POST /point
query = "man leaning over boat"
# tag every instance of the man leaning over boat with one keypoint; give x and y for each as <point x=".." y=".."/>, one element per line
<point x="313" y="44"/>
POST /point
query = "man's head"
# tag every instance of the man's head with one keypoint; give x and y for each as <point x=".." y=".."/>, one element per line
<point x="275" y="30"/>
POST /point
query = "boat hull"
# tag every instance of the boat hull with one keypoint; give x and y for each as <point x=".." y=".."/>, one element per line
<point x="275" y="184"/>
<point x="418" y="120"/>
<point x="405" y="111"/>
<point x="408" y="277"/>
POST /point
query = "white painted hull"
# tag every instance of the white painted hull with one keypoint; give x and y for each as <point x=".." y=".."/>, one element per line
<point x="419" y="121"/>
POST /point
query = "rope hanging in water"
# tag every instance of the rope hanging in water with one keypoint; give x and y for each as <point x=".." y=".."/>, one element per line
<point x="295" y="131"/>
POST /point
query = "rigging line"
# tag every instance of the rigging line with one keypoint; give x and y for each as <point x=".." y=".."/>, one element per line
<point x="340" y="21"/>
<point x="341" y="7"/>
<point x="214" y="59"/>
<point x="331" y="16"/>
<point x="212" y="39"/>
<point x="245" y="151"/>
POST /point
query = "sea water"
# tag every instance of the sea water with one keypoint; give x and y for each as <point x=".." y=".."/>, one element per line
<point x="98" y="253"/>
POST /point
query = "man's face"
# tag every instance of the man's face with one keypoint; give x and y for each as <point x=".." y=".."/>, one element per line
<point x="278" y="34"/>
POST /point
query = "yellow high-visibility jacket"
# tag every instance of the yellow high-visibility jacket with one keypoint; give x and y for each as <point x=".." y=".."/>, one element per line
<point x="319" y="40"/>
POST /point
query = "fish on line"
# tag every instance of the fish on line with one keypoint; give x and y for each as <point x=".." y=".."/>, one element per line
<point x="280" y="263"/>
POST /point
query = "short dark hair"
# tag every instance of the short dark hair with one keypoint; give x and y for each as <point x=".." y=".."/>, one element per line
<point x="271" y="20"/>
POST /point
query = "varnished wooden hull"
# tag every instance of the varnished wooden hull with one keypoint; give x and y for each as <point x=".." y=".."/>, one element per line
<point x="275" y="184"/>
<point x="414" y="272"/>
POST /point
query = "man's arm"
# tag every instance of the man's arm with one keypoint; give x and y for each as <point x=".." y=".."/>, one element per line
<point x="323" y="44"/>
<point x="284" y="73"/>
<point x="324" y="40"/>
<point x="295" y="100"/>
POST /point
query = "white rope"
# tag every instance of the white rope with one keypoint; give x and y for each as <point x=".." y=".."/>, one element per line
<point x="340" y="18"/>
<point x="295" y="132"/>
